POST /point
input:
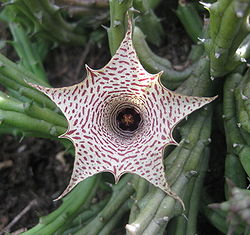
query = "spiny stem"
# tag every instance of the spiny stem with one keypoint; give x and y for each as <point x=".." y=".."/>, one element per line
<point x="242" y="97"/>
<point x="66" y="212"/>
<point x="10" y="104"/>
<point x="190" y="19"/>
<point x="112" y="223"/>
<point x="153" y="63"/>
<point x="27" y="123"/>
<point x="227" y="19"/>
<point x="195" y="198"/>
<point x="116" y="32"/>
<point x="236" y="143"/>
<point x="29" y="57"/>
<point x="141" y="190"/>
<point x="148" y="22"/>
<point x="45" y="17"/>
<point x="121" y="193"/>
<point x="235" y="172"/>
<point x="17" y="73"/>
<point x="27" y="92"/>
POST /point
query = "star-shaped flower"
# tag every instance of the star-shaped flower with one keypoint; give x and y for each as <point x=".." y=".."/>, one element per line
<point x="120" y="119"/>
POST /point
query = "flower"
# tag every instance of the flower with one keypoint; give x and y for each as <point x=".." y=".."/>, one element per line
<point x="120" y="118"/>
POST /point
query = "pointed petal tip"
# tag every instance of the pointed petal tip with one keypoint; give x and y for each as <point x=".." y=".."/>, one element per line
<point x="173" y="142"/>
<point x="69" y="188"/>
<point x="88" y="68"/>
<point x="210" y="99"/>
<point x="160" y="73"/>
<point x="60" y="196"/>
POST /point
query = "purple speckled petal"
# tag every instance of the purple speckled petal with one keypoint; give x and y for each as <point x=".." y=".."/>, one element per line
<point x="91" y="106"/>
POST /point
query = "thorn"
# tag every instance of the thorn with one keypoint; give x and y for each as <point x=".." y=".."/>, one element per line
<point x="7" y="3"/>
<point x="165" y="218"/>
<point x="212" y="78"/>
<point x="105" y="27"/>
<point x="21" y="139"/>
<point x="235" y="145"/>
<point x="109" y="184"/>
<point x="209" y="140"/>
<point x="53" y="131"/>
<point x="244" y="97"/>
<point x="191" y="173"/>
<point x="162" y="220"/>
<point x="239" y="125"/>
<point x="39" y="16"/>
<point x="243" y="60"/>
<point x="217" y="55"/>
<point x="214" y="206"/>
<point x="101" y="218"/>
<point x="202" y="39"/>
<point x="206" y="5"/>
<point x="185" y="217"/>
<point x="132" y="9"/>
<point x="55" y="7"/>
<point x="239" y="13"/>
<point x="241" y="8"/>
<point x="27" y="105"/>
<point x="132" y="197"/>
<point x="117" y="23"/>
<point x="132" y="228"/>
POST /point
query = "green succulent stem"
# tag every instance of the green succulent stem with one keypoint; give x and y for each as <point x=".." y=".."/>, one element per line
<point x="26" y="123"/>
<point x="29" y="57"/>
<point x="118" y="22"/>
<point x="16" y="78"/>
<point x="66" y="212"/>
<point x="44" y="17"/>
<point x="227" y="29"/>
<point x="190" y="19"/>
<point x="195" y="197"/>
<point x="236" y="143"/>
<point x="154" y="64"/>
<point x="10" y="104"/>
<point x="121" y="193"/>
<point x="148" y="22"/>
<point x="141" y="190"/>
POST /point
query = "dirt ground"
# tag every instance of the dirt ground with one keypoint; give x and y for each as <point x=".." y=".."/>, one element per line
<point x="34" y="171"/>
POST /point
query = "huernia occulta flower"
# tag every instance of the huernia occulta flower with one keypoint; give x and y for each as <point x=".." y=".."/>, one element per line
<point x="120" y="119"/>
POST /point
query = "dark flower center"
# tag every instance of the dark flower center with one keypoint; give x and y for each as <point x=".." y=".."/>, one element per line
<point x="128" y="119"/>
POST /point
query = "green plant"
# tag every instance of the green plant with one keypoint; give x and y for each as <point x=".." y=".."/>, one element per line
<point x="217" y="65"/>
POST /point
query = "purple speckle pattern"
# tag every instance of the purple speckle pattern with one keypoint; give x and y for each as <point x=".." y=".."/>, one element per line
<point x="88" y="105"/>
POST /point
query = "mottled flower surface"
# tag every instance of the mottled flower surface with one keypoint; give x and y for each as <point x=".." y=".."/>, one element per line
<point x="120" y="118"/>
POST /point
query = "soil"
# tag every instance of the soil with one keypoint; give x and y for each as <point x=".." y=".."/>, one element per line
<point x="35" y="171"/>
